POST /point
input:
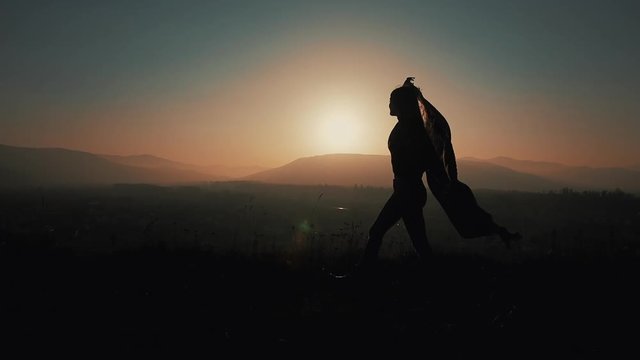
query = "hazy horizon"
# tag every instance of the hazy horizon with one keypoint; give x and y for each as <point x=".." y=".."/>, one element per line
<point x="467" y="157"/>
<point x="264" y="83"/>
<point x="628" y="166"/>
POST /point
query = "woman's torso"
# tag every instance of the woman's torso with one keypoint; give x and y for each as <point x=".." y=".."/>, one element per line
<point x="411" y="152"/>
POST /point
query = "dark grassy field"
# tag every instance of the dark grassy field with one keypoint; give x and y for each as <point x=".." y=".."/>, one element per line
<point x="244" y="266"/>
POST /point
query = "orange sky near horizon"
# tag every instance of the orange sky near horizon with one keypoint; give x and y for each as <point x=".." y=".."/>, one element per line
<point x="241" y="86"/>
<point x="319" y="99"/>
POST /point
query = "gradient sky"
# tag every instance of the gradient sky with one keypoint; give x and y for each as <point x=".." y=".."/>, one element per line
<point x="266" y="82"/>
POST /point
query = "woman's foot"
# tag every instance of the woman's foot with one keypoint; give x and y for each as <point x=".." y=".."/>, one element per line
<point x="508" y="237"/>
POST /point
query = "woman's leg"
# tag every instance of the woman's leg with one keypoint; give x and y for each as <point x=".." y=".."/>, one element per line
<point x="389" y="216"/>
<point x="414" y="222"/>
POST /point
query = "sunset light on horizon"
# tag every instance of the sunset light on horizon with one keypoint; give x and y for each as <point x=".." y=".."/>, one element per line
<point x="265" y="83"/>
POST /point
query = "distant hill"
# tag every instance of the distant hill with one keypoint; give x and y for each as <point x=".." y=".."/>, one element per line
<point x="148" y="161"/>
<point x="35" y="167"/>
<point x="540" y="168"/>
<point x="151" y="161"/>
<point x="21" y="166"/>
<point x="234" y="171"/>
<point x="334" y="169"/>
<point x="478" y="174"/>
<point x="375" y="170"/>
<point x="579" y="177"/>
<point x="635" y="167"/>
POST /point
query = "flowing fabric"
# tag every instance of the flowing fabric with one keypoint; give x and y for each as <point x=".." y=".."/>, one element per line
<point x="455" y="197"/>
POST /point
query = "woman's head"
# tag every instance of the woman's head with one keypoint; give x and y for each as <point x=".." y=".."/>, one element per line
<point x="403" y="101"/>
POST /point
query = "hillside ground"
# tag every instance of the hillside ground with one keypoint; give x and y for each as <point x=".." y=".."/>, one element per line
<point x="94" y="270"/>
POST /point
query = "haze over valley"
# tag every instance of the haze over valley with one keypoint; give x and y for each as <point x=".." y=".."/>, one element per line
<point x="21" y="167"/>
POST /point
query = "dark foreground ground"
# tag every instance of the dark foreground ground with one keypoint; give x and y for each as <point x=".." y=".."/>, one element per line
<point x="191" y="299"/>
<point x="244" y="267"/>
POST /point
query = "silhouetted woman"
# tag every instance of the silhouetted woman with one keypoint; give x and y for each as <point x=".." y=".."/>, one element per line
<point x="421" y="142"/>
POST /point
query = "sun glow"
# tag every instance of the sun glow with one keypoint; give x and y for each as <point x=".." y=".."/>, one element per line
<point x="339" y="130"/>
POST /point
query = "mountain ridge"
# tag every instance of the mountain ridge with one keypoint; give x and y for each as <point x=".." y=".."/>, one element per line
<point x="58" y="166"/>
<point x="375" y="170"/>
<point x="20" y="166"/>
<point x="152" y="161"/>
<point x="502" y="173"/>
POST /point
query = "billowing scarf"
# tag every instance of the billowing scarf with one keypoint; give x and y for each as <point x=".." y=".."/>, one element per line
<point x="455" y="197"/>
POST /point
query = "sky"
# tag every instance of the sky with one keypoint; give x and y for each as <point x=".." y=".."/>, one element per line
<point x="266" y="82"/>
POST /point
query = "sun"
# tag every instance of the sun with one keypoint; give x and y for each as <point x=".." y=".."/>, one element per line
<point x="339" y="130"/>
